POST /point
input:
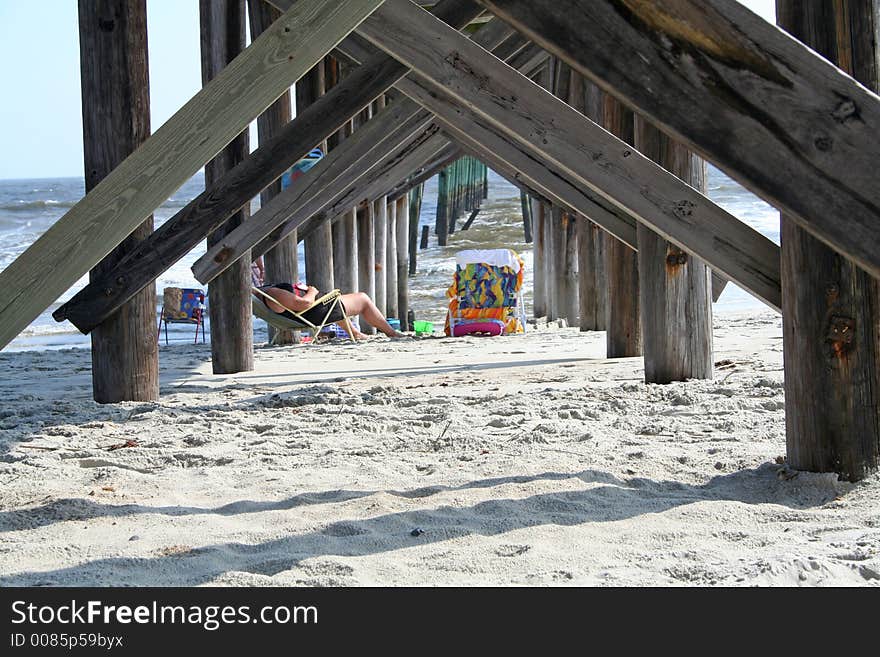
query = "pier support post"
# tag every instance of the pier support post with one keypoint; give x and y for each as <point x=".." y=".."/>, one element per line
<point x="281" y="261"/>
<point x="403" y="242"/>
<point x="391" y="260"/>
<point x="229" y="305"/>
<point x="526" y="217"/>
<point x="441" y="226"/>
<point x="587" y="98"/>
<point x="622" y="322"/>
<point x="415" y="210"/>
<point x="318" y="245"/>
<point x="116" y="120"/>
<point x="539" y="259"/>
<point x="366" y="255"/>
<point x="674" y="286"/>
<point x="380" y="242"/>
<point x="830" y="307"/>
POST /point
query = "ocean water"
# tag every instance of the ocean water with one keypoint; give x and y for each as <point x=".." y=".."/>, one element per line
<point x="29" y="207"/>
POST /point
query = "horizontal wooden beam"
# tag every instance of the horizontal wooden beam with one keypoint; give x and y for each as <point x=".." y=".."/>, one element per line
<point x="769" y="111"/>
<point x="150" y="175"/>
<point x="445" y="64"/>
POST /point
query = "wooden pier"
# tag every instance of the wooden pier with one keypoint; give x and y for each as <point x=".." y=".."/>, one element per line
<point x="603" y="114"/>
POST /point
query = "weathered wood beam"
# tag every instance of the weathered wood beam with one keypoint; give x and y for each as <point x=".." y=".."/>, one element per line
<point x="675" y="292"/>
<point x="281" y="263"/>
<point x="368" y="185"/>
<point x="777" y="117"/>
<point x="116" y="120"/>
<point x="718" y="285"/>
<point x="148" y="177"/>
<point x="318" y="248"/>
<point x="831" y="308"/>
<point x="444" y="63"/>
<point x="222" y="37"/>
<point x="426" y="171"/>
<point x="336" y="174"/>
<point x="329" y="178"/>
<point x="188" y="227"/>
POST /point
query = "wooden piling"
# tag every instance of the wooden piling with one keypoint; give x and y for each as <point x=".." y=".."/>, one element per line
<point x="344" y="233"/>
<point x="452" y="198"/>
<point x="380" y="243"/>
<point x="415" y="211"/>
<point x="391" y="308"/>
<point x="345" y="252"/>
<point x="675" y="287"/>
<point x="586" y="97"/>
<point x="831" y="308"/>
<point x="402" y="243"/>
<point x="622" y="321"/>
<point x="423" y="243"/>
<point x="281" y="262"/>
<point x="539" y="260"/>
<point x="366" y="255"/>
<point x="441" y="225"/>
<point x="526" y="216"/>
<point x="229" y="295"/>
<point x="116" y="120"/>
<point x="318" y="245"/>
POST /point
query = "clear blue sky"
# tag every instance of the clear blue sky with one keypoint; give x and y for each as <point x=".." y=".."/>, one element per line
<point x="40" y="116"/>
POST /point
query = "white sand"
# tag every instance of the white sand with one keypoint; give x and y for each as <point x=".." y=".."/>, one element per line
<point x="525" y="460"/>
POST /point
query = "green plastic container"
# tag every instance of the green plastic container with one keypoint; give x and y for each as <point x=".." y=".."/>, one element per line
<point x="422" y="327"/>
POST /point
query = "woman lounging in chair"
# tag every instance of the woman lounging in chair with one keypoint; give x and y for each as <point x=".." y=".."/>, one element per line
<point x="300" y="297"/>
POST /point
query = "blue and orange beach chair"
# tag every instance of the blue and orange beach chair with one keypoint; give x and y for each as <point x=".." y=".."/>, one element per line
<point x="182" y="305"/>
<point x="486" y="297"/>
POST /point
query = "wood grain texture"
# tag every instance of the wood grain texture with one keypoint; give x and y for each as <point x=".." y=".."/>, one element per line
<point x="281" y="263"/>
<point x="623" y="334"/>
<point x="395" y="124"/>
<point x="674" y="287"/>
<point x="523" y="164"/>
<point x="318" y="246"/>
<point x="831" y="308"/>
<point x="402" y="243"/>
<point x="770" y="112"/>
<point x="222" y="37"/>
<point x="380" y="242"/>
<point x="150" y="175"/>
<point x="415" y="213"/>
<point x="189" y="226"/>
<point x="366" y="256"/>
<point x="177" y="236"/>
<point x="390" y="271"/>
<point x="427" y="144"/>
<point x="586" y="97"/>
<point x="378" y="143"/>
<point x="115" y="87"/>
<point x="563" y="138"/>
<point x="426" y="171"/>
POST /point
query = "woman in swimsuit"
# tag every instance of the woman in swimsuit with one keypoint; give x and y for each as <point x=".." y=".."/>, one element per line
<point x="300" y="296"/>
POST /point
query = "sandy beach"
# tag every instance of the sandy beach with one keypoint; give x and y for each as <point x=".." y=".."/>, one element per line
<point x="519" y="460"/>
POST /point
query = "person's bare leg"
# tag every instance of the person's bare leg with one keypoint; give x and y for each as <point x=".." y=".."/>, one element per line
<point x="359" y="303"/>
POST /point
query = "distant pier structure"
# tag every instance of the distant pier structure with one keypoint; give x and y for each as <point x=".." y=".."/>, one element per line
<point x="603" y="113"/>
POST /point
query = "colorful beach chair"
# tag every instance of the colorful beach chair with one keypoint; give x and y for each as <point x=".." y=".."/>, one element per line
<point x="181" y="305"/>
<point x="485" y="297"/>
